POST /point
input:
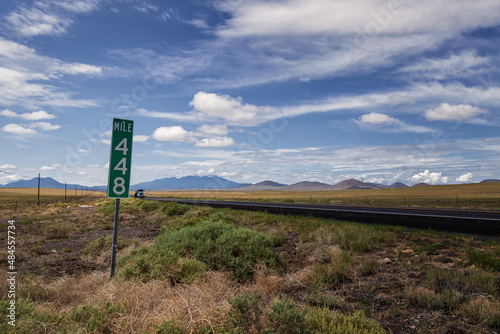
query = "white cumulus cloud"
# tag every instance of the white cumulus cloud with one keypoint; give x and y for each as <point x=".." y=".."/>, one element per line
<point x="32" y="116"/>
<point x="10" y="178"/>
<point x="140" y="138"/>
<point x="48" y="168"/>
<point x="228" y="108"/>
<point x="172" y="133"/>
<point x="8" y="167"/>
<point x="377" y="118"/>
<point x="428" y="177"/>
<point x="19" y="130"/>
<point x="448" y="112"/>
<point x="465" y="178"/>
<point x="45" y="126"/>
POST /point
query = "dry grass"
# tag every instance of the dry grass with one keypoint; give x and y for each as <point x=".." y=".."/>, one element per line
<point x="27" y="198"/>
<point x="146" y="304"/>
<point x="423" y="297"/>
<point x="483" y="310"/>
<point x="481" y="195"/>
<point x="59" y="230"/>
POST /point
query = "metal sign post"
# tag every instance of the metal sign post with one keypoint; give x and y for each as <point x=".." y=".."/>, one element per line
<point x="120" y="163"/>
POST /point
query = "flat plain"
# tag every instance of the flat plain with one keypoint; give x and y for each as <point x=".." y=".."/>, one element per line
<point x="465" y="196"/>
<point x="186" y="269"/>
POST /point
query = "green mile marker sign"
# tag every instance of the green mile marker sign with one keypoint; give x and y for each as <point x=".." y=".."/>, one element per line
<point x="120" y="160"/>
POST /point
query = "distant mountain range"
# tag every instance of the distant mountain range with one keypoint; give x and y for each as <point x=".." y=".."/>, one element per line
<point x="45" y="182"/>
<point x="215" y="182"/>
<point x="490" y="181"/>
<point x="188" y="182"/>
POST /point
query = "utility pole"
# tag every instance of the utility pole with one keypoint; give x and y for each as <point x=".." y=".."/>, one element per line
<point x="65" y="187"/>
<point x="38" y="189"/>
<point x="76" y="191"/>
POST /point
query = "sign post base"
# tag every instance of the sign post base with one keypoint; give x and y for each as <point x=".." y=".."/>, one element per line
<point x="115" y="237"/>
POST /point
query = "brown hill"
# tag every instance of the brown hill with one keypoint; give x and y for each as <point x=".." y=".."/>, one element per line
<point x="490" y="181"/>
<point x="353" y="184"/>
<point x="421" y="184"/>
<point x="307" y="185"/>
<point x="264" y="185"/>
<point x="398" y="185"/>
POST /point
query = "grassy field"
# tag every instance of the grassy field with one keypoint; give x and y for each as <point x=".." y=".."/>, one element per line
<point x="467" y="196"/>
<point x="26" y="197"/>
<point x="187" y="269"/>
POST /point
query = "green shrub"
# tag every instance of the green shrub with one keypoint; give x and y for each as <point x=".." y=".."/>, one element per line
<point x="227" y="216"/>
<point x="245" y="314"/>
<point x="288" y="200"/>
<point x="286" y="318"/>
<point x="170" y="327"/>
<point x="95" y="319"/>
<point x="28" y="318"/>
<point x="485" y="260"/>
<point x="326" y="275"/>
<point x="101" y="245"/>
<point x="353" y="237"/>
<point x="130" y="206"/>
<point x="222" y="246"/>
<point x="107" y="207"/>
<point x="155" y="262"/>
<point x="59" y="230"/>
<point x="323" y="321"/>
<point x="277" y="237"/>
<point x="175" y="209"/>
<point x="148" y="206"/>
<point x="323" y="301"/>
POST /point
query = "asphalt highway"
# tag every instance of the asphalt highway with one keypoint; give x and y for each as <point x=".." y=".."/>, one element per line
<point x="459" y="221"/>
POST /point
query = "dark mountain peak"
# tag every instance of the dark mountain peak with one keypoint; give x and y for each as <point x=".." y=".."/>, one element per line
<point x="398" y="185"/>
<point x="187" y="182"/>
<point x="45" y="182"/>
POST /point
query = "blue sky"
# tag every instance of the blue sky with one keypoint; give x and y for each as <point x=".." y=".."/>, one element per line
<point x="249" y="90"/>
